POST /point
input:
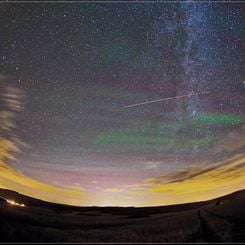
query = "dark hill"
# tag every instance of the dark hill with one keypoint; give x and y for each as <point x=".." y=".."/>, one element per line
<point x="218" y="220"/>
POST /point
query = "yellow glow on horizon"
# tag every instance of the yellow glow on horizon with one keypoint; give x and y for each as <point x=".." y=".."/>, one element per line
<point x="200" y="184"/>
<point x="13" y="179"/>
<point x="189" y="185"/>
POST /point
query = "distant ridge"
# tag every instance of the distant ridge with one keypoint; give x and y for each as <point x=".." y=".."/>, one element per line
<point x="29" y="201"/>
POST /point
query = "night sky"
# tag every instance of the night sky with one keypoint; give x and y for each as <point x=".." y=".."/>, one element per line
<point x="67" y="71"/>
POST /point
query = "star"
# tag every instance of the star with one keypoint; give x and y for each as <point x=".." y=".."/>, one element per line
<point x="107" y="88"/>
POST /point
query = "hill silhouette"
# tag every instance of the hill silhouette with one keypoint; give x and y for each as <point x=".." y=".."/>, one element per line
<point x="218" y="220"/>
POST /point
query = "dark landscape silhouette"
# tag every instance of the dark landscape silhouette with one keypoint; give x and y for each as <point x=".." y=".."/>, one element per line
<point x="217" y="220"/>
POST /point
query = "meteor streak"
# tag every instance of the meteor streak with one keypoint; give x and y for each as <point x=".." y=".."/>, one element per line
<point x="169" y="98"/>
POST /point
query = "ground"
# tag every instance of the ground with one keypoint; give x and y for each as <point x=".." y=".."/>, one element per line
<point x="219" y="220"/>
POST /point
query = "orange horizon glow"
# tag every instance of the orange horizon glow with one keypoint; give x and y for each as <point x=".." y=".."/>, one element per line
<point x="203" y="181"/>
<point x="199" y="184"/>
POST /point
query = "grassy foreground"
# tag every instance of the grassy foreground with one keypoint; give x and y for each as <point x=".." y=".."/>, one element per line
<point x="219" y="220"/>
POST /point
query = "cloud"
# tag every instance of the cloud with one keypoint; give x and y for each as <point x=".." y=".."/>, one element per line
<point x="152" y="165"/>
<point x="207" y="180"/>
<point x="13" y="179"/>
<point x="194" y="183"/>
<point x="234" y="141"/>
<point x="114" y="190"/>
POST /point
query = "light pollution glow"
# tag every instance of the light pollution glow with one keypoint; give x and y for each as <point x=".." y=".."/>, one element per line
<point x="191" y="184"/>
<point x="11" y="202"/>
<point x="80" y="67"/>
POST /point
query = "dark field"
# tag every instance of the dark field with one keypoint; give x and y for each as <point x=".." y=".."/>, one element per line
<point x="219" y="220"/>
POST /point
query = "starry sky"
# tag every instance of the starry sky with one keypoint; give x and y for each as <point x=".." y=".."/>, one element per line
<point x="68" y="71"/>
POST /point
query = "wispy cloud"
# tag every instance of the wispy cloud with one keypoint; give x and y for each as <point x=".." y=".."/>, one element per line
<point x="192" y="184"/>
<point x="197" y="182"/>
<point x="13" y="179"/>
<point x="114" y="190"/>
<point x="152" y="165"/>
